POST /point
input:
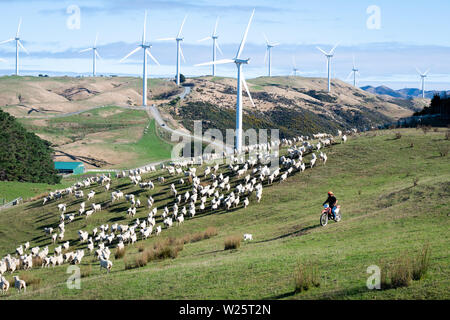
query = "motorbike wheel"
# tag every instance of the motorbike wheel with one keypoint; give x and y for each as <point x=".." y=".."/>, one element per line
<point x="323" y="219"/>
<point x="338" y="217"/>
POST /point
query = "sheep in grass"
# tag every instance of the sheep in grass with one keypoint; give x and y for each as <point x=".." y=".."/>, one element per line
<point x="48" y="230"/>
<point x="324" y="158"/>
<point x="158" y="230"/>
<point x="89" y="213"/>
<point x="4" y="285"/>
<point x="96" y="207"/>
<point x="248" y="237"/>
<point x="246" y="202"/>
<point x="313" y="162"/>
<point x="61" y="236"/>
<point x="54" y="237"/>
<point x="106" y="264"/>
<point x="66" y="245"/>
<point x="180" y="219"/>
<point x="62" y="207"/>
<point x="344" y="138"/>
<point x="20" y="284"/>
<point x="90" y="247"/>
<point x="58" y="250"/>
<point x="91" y="195"/>
<point x="19" y="251"/>
<point x="283" y="177"/>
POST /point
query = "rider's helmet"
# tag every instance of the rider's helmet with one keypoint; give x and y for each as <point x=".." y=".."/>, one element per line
<point x="330" y="193"/>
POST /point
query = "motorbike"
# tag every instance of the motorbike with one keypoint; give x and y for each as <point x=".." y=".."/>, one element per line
<point x="328" y="215"/>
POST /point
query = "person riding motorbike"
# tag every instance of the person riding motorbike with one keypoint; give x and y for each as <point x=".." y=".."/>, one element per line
<point x="332" y="202"/>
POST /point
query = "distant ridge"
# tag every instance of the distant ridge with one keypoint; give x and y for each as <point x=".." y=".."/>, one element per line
<point x="407" y="93"/>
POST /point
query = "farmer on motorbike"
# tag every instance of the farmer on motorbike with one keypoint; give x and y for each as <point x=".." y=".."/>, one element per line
<point x="332" y="202"/>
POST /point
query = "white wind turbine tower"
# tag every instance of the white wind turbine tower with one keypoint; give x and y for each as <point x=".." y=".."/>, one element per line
<point x="329" y="56"/>
<point x="18" y="44"/>
<point x="240" y="81"/>
<point x="146" y="48"/>
<point x="94" y="56"/>
<point x="269" y="47"/>
<point x="423" y="76"/>
<point x="354" y="71"/>
<point x="215" y="46"/>
<point x="178" y="39"/>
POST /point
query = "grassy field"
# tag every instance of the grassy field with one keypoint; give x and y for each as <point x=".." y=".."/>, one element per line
<point x="394" y="193"/>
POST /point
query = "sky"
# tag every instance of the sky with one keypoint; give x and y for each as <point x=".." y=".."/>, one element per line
<point x="388" y="39"/>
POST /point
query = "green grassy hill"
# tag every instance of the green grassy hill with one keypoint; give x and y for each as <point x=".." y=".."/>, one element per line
<point x="385" y="216"/>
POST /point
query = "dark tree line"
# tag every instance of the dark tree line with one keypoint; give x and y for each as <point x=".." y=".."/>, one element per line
<point x="439" y="105"/>
<point x="23" y="155"/>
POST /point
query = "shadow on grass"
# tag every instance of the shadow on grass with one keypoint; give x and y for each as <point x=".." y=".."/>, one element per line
<point x="296" y="233"/>
<point x="280" y="296"/>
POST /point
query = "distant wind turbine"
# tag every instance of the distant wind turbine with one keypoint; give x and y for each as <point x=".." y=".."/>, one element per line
<point x="18" y="44"/>
<point x="294" y="67"/>
<point x="329" y="56"/>
<point x="178" y="39"/>
<point x="423" y="76"/>
<point x="354" y="71"/>
<point x="146" y="48"/>
<point x="215" y="46"/>
<point x="240" y="81"/>
<point x="94" y="56"/>
<point x="269" y="47"/>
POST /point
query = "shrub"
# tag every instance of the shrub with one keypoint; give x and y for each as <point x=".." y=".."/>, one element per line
<point x="421" y="263"/>
<point x="233" y="242"/>
<point x="37" y="262"/>
<point x="30" y="280"/>
<point x="305" y="277"/>
<point x="425" y="129"/>
<point x="443" y="151"/>
<point x="400" y="272"/>
<point x="119" y="253"/>
<point x="85" y="271"/>
<point x="398" y="135"/>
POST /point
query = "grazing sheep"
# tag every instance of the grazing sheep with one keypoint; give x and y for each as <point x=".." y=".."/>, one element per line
<point x="54" y="237"/>
<point x="313" y="161"/>
<point x="4" y="285"/>
<point x="19" y="284"/>
<point x="96" y="207"/>
<point x="105" y="264"/>
<point x="248" y="237"/>
<point x="158" y="230"/>
<point x="89" y="213"/>
<point x="246" y="202"/>
<point x="344" y="138"/>
<point x="91" y="195"/>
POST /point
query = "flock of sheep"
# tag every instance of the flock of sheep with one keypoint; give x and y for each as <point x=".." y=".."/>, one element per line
<point x="209" y="191"/>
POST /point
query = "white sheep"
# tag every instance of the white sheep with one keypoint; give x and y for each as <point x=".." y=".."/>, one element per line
<point x="248" y="237"/>
<point x="344" y="138"/>
<point x="105" y="264"/>
<point x="20" y="284"/>
<point x="4" y="285"/>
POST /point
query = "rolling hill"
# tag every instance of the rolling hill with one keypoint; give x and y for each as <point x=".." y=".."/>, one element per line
<point x="392" y="205"/>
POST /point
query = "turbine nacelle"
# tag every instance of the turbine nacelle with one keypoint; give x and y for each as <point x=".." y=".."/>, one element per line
<point x="241" y="61"/>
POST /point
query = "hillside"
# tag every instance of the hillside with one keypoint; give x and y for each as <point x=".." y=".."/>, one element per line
<point x="406" y="93"/>
<point x="295" y="105"/>
<point x="385" y="216"/>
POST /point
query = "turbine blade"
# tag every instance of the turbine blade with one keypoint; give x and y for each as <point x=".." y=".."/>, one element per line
<point x="181" y="28"/>
<point x="145" y="27"/>
<point x="6" y="41"/>
<point x="349" y="75"/>
<point x="85" y="50"/>
<point x="204" y="39"/>
<point x="293" y="62"/>
<point x="166" y="39"/>
<point x="23" y="48"/>
<point x="218" y="48"/>
<point x="265" y="56"/>
<point x="96" y="53"/>
<point x="131" y="53"/>
<point x="223" y="61"/>
<point x="353" y="61"/>
<point x="215" y="28"/>
<point x="182" y="55"/>
<point x="18" y="28"/>
<point x="426" y="72"/>
<point x="152" y="57"/>
<point x="246" y="88"/>
<point x="96" y="39"/>
<point x="244" y="39"/>
<point x="334" y="48"/>
<point x="265" y="37"/>
<point x="418" y="71"/>
<point x="322" y="51"/>
<point x="275" y="44"/>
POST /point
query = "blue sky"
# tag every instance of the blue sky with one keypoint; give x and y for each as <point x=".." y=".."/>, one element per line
<point x="412" y="33"/>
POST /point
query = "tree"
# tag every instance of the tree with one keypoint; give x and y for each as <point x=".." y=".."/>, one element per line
<point x="182" y="78"/>
<point x="23" y="155"/>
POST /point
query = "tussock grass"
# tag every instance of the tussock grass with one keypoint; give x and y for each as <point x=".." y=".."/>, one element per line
<point x="30" y="279"/>
<point x="421" y="263"/>
<point x="120" y="253"/>
<point x="85" y="271"/>
<point x="305" y="277"/>
<point x="232" y="242"/>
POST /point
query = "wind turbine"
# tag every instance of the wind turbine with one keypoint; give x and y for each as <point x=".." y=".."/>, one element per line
<point x="18" y="44"/>
<point x="269" y="47"/>
<point x="146" y="48"/>
<point x="329" y="56"/>
<point x="294" y="67"/>
<point x="423" y="76"/>
<point x="215" y="46"/>
<point x="240" y="81"/>
<point x="94" y="56"/>
<point x="354" y="71"/>
<point x="179" y="50"/>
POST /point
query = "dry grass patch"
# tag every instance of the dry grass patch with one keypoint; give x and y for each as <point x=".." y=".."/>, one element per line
<point x="305" y="277"/>
<point x="119" y="253"/>
<point x="233" y="242"/>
